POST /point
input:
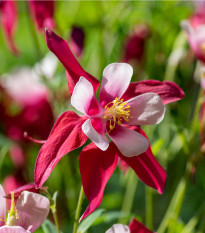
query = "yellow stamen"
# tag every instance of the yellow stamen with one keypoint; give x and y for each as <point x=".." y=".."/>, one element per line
<point x="12" y="214"/>
<point x="116" y="111"/>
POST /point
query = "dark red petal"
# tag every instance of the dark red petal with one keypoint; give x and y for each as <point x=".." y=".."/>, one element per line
<point x="43" y="13"/>
<point x="146" y="167"/>
<point x="60" y="48"/>
<point x="9" y="19"/>
<point x="27" y="187"/>
<point x="65" y="136"/>
<point x="168" y="91"/>
<point x="137" y="227"/>
<point x="96" y="167"/>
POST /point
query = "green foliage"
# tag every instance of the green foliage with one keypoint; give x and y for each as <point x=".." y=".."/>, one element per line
<point x="175" y="142"/>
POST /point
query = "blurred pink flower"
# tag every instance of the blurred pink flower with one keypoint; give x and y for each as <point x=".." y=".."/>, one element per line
<point x="198" y="17"/>
<point x="195" y="29"/>
<point x="196" y="37"/>
<point x="8" y="19"/>
<point x="25" y="105"/>
<point x="135" y="44"/>
<point x="42" y="13"/>
<point x="134" y="227"/>
<point x="96" y="166"/>
<point x="29" y="212"/>
<point x="77" y="40"/>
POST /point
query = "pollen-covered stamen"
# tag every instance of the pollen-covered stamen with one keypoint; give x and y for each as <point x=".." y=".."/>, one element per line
<point x="12" y="214"/>
<point x="116" y="111"/>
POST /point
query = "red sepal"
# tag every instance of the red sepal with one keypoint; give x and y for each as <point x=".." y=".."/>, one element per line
<point x="73" y="69"/>
<point x="96" y="168"/>
<point x="137" y="227"/>
<point x="168" y="91"/>
<point x="65" y="136"/>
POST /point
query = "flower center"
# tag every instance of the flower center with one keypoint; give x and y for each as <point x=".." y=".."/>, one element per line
<point x="116" y="111"/>
<point x="12" y="214"/>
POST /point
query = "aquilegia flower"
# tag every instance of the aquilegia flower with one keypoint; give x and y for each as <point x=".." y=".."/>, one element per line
<point x="134" y="227"/>
<point x="29" y="212"/>
<point x="196" y="37"/>
<point x="25" y="105"/>
<point x="111" y="115"/>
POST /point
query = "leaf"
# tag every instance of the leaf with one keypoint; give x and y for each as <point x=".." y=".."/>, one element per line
<point x="49" y="227"/>
<point x="89" y="221"/>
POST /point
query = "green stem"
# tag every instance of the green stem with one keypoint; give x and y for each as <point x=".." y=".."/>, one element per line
<point x="54" y="211"/>
<point x="78" y="210"/>
<point x="33" y="34"/>
<point x="174" y="208"/>
<point x="175" y="56"/>
<point x="149" y="208"/>
<point x="196" y="113"/>
<point x="129" y="195"/>
<point x="189" y="228"/>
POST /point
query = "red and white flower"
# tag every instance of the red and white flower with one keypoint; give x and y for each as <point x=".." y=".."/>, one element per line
<point x="110" y="116"/>
<point x="113" y="113"/>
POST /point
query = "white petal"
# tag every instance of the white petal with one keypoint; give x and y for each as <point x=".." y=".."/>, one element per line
<point x="118" y="228"/>
<point x="116" y="79"/>
<point x="2" y="206"/>
<point x="100" y="140"/>
<point x="129" y="142"/>
<point x="83" y="98"/>
<point x="146" y="109"/>
<point x="33" y="210"/>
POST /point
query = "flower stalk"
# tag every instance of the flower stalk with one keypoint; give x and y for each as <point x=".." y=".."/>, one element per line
<point x="129" y="195"/>
<point x="78" y="210"/>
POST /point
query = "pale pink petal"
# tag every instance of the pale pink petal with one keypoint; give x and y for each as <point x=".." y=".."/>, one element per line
<point x="196" y="37"/>
<point x="33" y="210"/>
<point x="203" y="83"/>
<point x="83" y="98"/>
<point x="129" y="142"/>
<point x="2" y="206"/>
<point x="15" y="229"/>
<point x="100" y="140"/>
<point x="119" y="228"/>
<point x="116" y="79"/>
<point x="145" y="109"/>
<point x="146" y="166"/>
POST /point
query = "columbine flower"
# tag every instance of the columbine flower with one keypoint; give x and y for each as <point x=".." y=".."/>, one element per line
<point x="196" y="37"/>
<point x="25" y="105"/>
<point x="135" y="44"/>
<point x="29" y="212"/>
<point x="134" y="227"/>
<point x="8" y="19"/>
<point x="96" y="165"/>
<point x="112" y="113"/>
